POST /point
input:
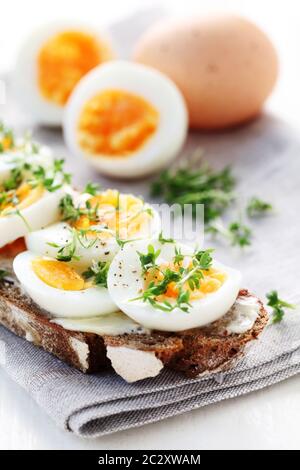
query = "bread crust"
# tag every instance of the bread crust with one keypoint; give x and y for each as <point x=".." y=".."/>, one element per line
<point x="192" y="352"/>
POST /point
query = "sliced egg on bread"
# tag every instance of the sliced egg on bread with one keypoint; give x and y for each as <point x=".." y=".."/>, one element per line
<point x="36" y="208"/>
<point x="171" y="292"/>
<point x="93" y="235"/>
<point x="60" y="289"/>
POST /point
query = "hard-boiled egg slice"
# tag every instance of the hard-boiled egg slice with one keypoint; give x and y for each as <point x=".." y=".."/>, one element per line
<point x="37" y="208"/>
<point x="20" y="156"/>
<point x="93" y="246"/>
<point x="127" y="282"/>
<point x="94" y="235"/>
<point x="59" y="289"/>
<point x="128" y="120"/>
<point x="15" y="152"/>
<point x="50" y="64"/>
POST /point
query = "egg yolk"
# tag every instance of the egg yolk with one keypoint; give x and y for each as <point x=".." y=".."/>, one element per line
<point x="116" y="123"/>
<point x="58" y="274"/>
<point x="127" y="221"/>
<point x="63" y="60"/>
<point x="24" y="197"/>
<point x="211" y="281"/>
<point x="6" y="143"/>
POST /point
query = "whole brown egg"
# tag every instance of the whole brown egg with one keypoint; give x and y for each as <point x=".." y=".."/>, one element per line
<point x="225" y="66"/>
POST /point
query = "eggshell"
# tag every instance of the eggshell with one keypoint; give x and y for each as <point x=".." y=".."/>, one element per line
<point x="224" y="65"/>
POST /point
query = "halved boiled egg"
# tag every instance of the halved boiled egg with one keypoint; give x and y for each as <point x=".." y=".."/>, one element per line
<point x="50" y="64"/>
<point x="16" y="152"/>
<point x="34" y="208"/>
<point x="96" y="228"/>
<point x="60" y="289"/>
<point x="171" y="287"/>
<point x="31" y="187"/>
<point x="22" y="155"/>
<point x="126" y="119"/>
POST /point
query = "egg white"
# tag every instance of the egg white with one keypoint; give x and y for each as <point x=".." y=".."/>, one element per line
<point x="43" y="212"/>
<point x="17" y="157"/>
<point x="125" y="282"/>
<point x="91" y="302"/>
<point x="95" y="249"/>
<point x="25" y="77"/>
<point x="60" y="234"/>
<point x="162" y="147"/>
<point x="5" y="169"/>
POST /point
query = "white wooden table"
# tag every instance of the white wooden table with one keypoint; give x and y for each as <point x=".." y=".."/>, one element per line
<point x="266" y="419"/>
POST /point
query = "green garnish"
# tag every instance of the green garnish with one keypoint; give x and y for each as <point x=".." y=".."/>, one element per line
<point x="52" y="179"/>
<point x="92" y="188"/>
<point x="192" y="275"/>
<point x="19" y="214"/>
<point x="179" y="257"/>
<point x="6" y="134"/>
<point x="14" y="180"/>
<point x="97" y="272"/>
<point x="237" y="233"/>
<point x="163" y="240"/>
<point x="197" y="186"/>
<point x="278" y="305"/>
<point x="148" y="260"/>
<point x="257" y="207"/>
<point x="68" y="210"/>
<point x="3" y="275"/>
<point x="67" y="252"/>
<point x="71" y="213"/>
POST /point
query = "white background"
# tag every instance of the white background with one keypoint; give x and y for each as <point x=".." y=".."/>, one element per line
<point x="266" y="419"/>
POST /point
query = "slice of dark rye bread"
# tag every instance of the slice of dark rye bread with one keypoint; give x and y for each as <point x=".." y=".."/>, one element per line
<point x="193" y="352"/>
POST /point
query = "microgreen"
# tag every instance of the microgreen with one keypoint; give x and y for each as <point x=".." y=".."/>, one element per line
<point x="3" y="275"/>
<point x="191" y="275"/>
<point x="98" y="273"/>
<point x="237" y="233"/>
<point x="51" y="179"/>
<point x="71" y="213"/>
<point x="14" y="179"/>
<point x="148" y="260"/>
<point x="92" y="188"/>
<point x="196" y="186"/>
<point x="68" y="211"/>
<point x="67" y="252"/>
<point x="257" y="207"/>
<point x="164" y="240"/>
<point x="278" y="305"/>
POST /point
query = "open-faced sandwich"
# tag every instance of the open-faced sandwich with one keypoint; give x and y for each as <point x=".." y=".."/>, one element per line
<point x="90" y="278"/>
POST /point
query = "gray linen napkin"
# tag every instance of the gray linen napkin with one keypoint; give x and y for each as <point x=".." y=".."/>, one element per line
<point x="100" y="404"/>
<point x="265" y="156"/>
